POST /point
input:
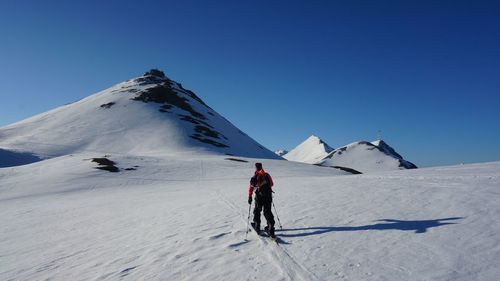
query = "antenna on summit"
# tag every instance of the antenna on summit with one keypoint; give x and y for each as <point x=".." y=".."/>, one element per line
<point x="379" y="134"/>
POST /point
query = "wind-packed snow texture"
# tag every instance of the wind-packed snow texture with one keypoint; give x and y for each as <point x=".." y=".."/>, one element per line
<point x="310" y="151"/>
<point x="184" y="218"/>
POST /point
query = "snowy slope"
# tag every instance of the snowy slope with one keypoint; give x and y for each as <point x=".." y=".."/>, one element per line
<point x="310" y="151"/>
<point x="150" y="114"/>
<point x="366" y="157"/>
<point x="176" y="207"/>
<point x="177" y="218"/>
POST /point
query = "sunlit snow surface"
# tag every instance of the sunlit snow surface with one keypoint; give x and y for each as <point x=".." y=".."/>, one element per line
<point x="177" y="207"/>
<point x="357" y="157"/>
<point x="183" y="217"/>
<point x="310" y="151"/>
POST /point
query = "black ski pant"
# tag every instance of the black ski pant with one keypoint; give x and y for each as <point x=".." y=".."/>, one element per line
<point x="263" y="202"/>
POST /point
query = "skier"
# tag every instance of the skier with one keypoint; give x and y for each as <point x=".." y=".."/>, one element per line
<point x="262" y="183"/>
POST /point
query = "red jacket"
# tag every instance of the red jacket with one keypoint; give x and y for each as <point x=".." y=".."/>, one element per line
<point x="257" y="181"/>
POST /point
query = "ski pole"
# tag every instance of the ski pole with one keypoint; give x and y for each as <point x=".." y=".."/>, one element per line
<point x="248" y="220"/>
<point x="281" y="227"/>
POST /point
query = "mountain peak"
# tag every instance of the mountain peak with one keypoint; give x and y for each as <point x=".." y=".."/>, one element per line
<point x="147" y="114"/>
<point x="156" y="73"/>
<point x="312" y="150"/>
<point x="386" y="148"/>
<point x="314" y="138"/>
<point x="366" y="156"/>
<point x="280" y="152"/>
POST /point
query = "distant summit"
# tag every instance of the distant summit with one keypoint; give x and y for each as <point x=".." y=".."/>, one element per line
<point x="281" y="152"/>
<point x="357" y="157"/>
<point x="386" y="148"/>
<point x="364" y="157"/>
<point x="310" y="151"/>
<point x="149" y="114"/>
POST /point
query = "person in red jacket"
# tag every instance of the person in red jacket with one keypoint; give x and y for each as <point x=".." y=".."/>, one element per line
<point x="261" y="183"/>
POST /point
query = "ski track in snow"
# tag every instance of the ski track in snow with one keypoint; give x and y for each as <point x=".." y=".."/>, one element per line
<point x="276" y="254"/>
<point x="185" y="219"/>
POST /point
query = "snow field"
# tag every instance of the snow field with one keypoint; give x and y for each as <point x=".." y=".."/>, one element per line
<point x="184" y="218"/>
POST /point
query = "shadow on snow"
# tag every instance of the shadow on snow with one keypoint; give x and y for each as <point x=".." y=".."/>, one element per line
<point x="385" y="224"/>
<point x="10" y="158"/>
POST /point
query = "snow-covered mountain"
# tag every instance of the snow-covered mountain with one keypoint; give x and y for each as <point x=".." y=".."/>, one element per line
<point x="357" y="157"/>
<point x="310" y="151"/>
<point x="281" y="152"/>
<point x="150" y="114"/>
<point x="175" y="207"/>
<point x="366" y="157"/>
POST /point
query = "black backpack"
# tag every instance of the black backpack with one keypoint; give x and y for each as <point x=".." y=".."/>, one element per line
<point x="264" y="183"/>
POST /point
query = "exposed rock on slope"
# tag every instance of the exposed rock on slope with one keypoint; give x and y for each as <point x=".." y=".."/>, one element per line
<point x="366" y="157"/>
<point x="150" y="114"/>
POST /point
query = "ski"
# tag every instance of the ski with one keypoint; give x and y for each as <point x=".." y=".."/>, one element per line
<point x="273" y="237"/>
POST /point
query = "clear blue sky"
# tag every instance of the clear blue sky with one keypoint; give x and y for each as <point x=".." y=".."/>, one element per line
<point x="426" y="73"/>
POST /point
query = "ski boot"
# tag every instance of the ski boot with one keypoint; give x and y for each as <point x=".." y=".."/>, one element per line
<point x="256" y="227"/>
<point x="270" y="231"/>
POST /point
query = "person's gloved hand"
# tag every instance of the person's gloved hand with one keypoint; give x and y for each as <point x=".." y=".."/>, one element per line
<point x="250" y="200"/>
